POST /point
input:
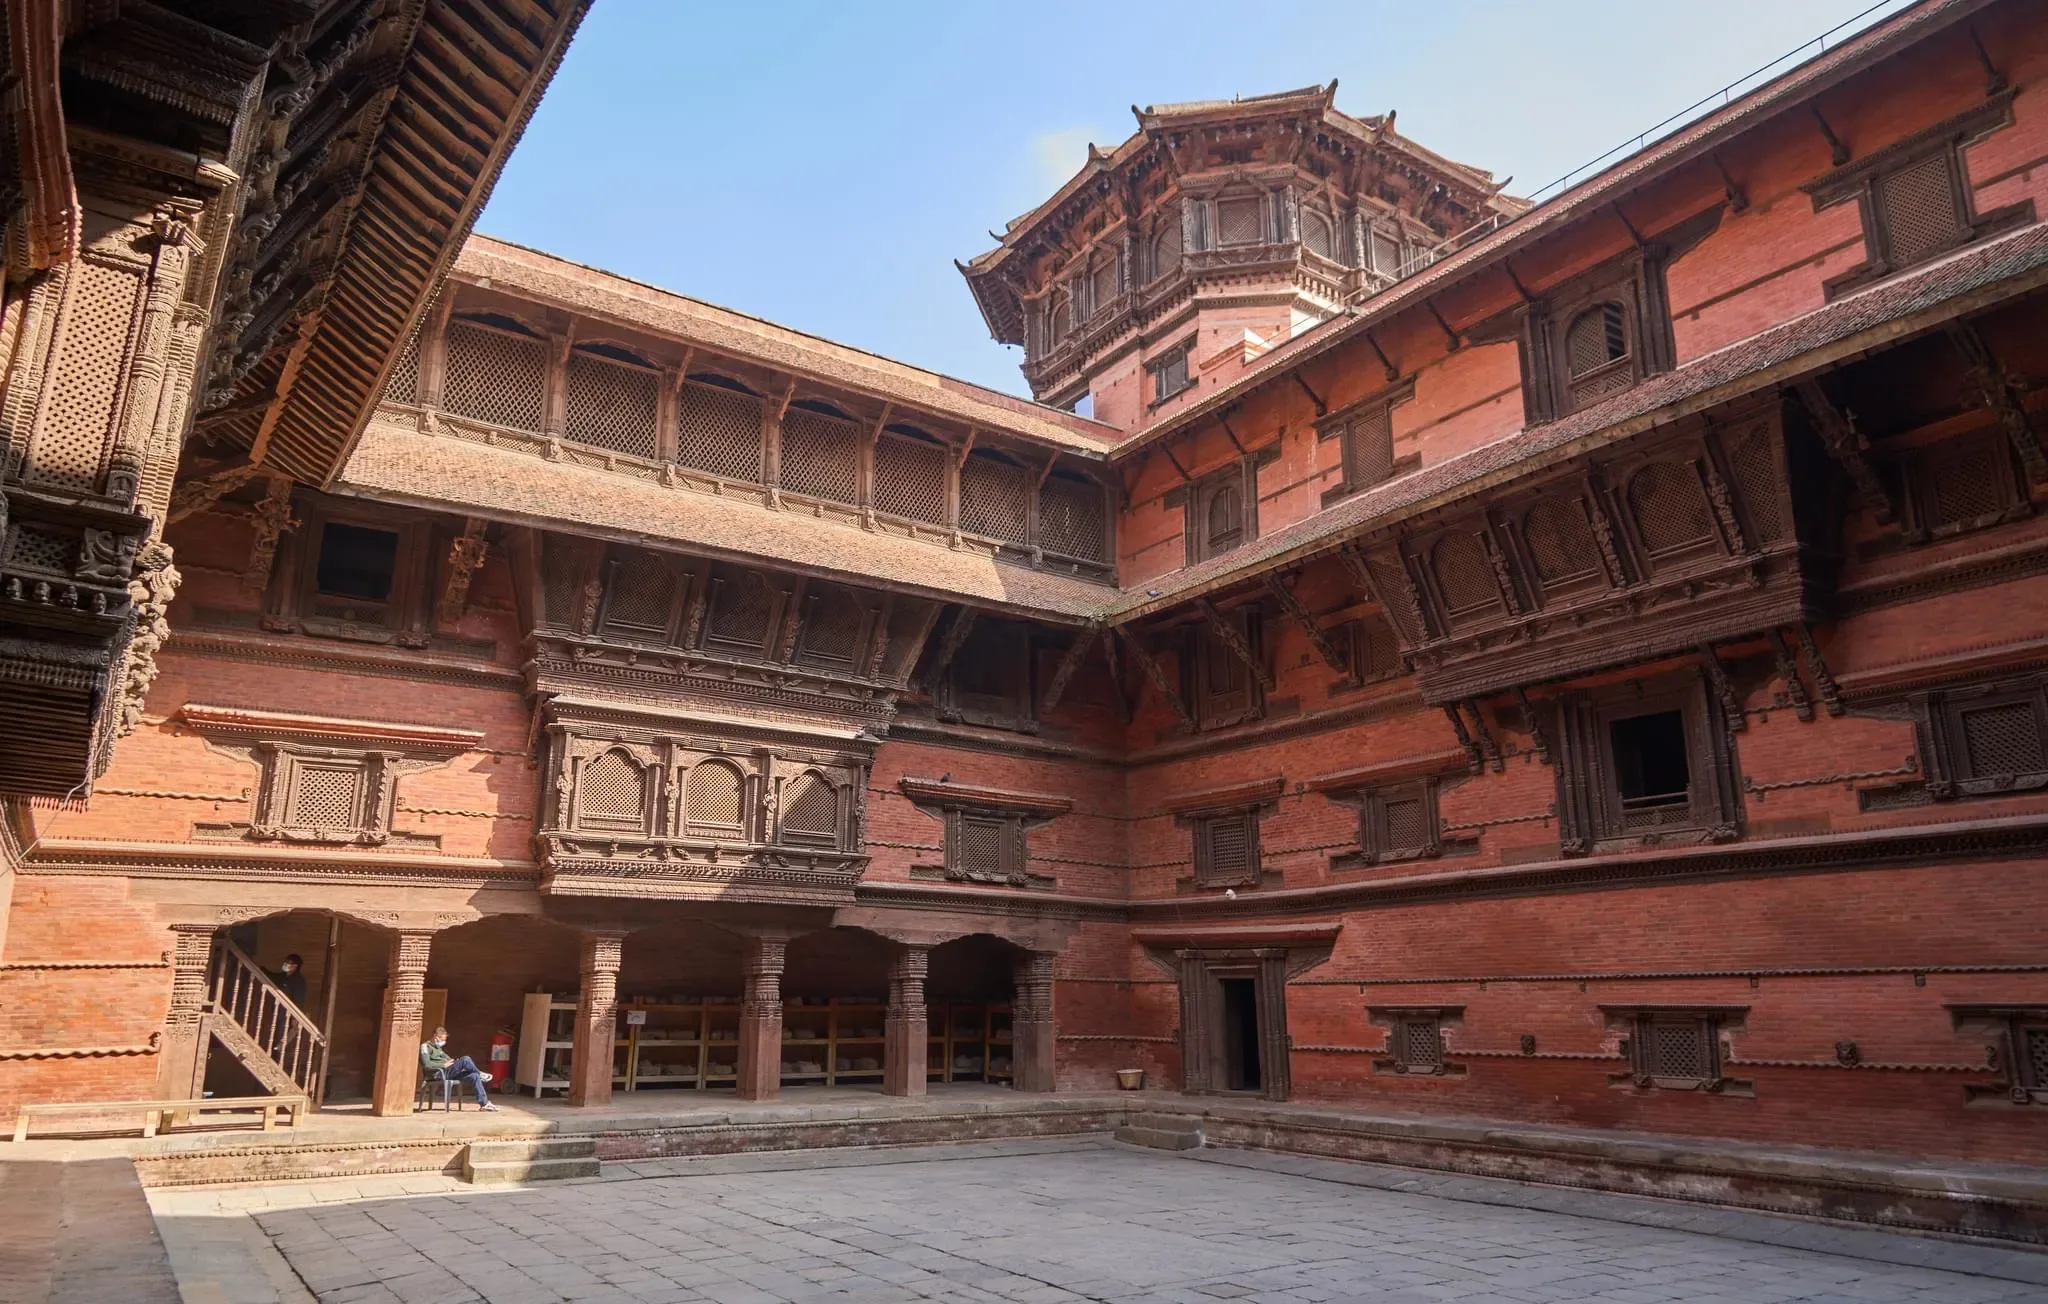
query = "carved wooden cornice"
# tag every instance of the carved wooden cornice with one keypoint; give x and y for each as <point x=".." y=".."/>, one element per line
<point x="1239" y="935"/>
<point x="944" y="795"/>
<point x="1235" y="796"/>
<point x="247" y="724"/>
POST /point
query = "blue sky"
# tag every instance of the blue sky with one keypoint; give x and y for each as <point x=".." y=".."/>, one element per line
<point x="822" y="165"/>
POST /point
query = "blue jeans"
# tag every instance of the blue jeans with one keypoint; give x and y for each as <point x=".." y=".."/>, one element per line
<point x="456" y="1070"/>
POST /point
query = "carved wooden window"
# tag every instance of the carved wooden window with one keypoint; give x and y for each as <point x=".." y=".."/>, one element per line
<point x="1675" y="1050"/>
<point x="320" y="794"/>
<point x="612" y="793"/>
<point x="992" y="493"/>
<point x="1240" y="220"/>
<point x="985" y="848"/>
<point x="357" y="574"/>
<point x="1463" y="576"/>
<point x="718" y="428"/>
<point x="714" y="802"/>
<point x="820" y="455"/>
<point x="1557" y="538"/>
<point x="745" y="612"/>
<point x="1221" y="688"/>
<point x="1058" y="312"/>
<point x="1646" y="762"/>
<point x="1073" y="517"/>
<point x="1102" y="283"/>
<point x="497" y="373"/>
<point x="1220" y="513"/>
<point x="1962" y="484"/>
<point x="989" y="680"/>
<point x="809" y="812"/>
<point x="1227" y="848"/>
<point x="1375" y="652"/>
<point x="610" y="400"/>
<point x="1169" y="374"/>
<point x="1399" y="822"/>
<point x="1991" y="739"/>
<point x="402" y="386"/>
<point x="910" y="475"/>
<point x="1670" y="515"/>
<point x="1385" y="246"/>
<point x="1166" y="244"/>
<point x="835" y="631"/>
<point x="1415" y="1041"/>
<point x="1365" y="446"/>
<point x="643" y="595"/>
<point x="1318" y="233"/>
<point x="1598" y="337"/>
<point x="1914" y="197"/>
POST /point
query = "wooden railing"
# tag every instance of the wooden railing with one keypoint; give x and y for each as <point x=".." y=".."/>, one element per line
<point x="239" y="990"/>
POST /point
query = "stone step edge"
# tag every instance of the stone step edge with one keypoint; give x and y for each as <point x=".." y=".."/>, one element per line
<point x="536" y="1148"/>
<point x="1154" y="1138"/>
<point x="528" y="1170"/>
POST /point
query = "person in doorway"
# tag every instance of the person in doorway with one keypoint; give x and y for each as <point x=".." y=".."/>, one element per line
<point x="292" y="979"/>
<point x="435" y="1059"/>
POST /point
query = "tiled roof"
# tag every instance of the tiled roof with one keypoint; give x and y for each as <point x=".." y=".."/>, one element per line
<point x="1682" y="146"/>
<point x="1964" y="281"/>
<point x="396" y="464"/>
<point x="524" y="272"/>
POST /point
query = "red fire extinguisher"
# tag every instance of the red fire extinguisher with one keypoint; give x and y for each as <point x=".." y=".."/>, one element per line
<point x="501" y="1057"/>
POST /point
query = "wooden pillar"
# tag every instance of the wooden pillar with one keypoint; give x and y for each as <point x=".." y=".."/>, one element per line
<point x="398" y="1051"/>
<point x="1197" y="1036"/>
<point x="181" y="1066"/>
<point x="760" y="1067"/>
<point x="904" y="1055"/>
<point x="1276" y="1048"/>
<point x="597" y="1017"/>
<point x="1032" y="1032"/>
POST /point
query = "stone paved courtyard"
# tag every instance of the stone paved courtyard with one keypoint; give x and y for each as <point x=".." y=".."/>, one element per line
<point x="1085" y="1222"/>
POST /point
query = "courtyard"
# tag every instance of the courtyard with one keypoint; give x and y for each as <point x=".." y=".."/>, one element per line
<point x="1043" y="1222"/>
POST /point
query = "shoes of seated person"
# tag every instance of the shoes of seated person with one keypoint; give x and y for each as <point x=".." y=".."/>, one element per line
<point x="486" y="1077"/>
<point x="489" y="1108"/>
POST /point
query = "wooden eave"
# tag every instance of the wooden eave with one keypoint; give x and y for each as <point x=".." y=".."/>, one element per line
<point x="1248" y="935"/>
<point x="1228" y="797"/>
<point x="434" y="162"/>
<point x="936" y="792"/>
<point x="246" y="722"/>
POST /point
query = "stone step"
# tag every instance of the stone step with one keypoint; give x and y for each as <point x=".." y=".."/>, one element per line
<point x="528" y="1170"/>
<point x="1160" y="1138"/>
<point x="1165" y="1122"/>
<point x="546" y="1147"/>
<point x="529" y="1159"/>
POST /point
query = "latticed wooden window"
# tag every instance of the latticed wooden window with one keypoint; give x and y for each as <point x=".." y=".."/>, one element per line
<point x="1754" y="464"/>
<point x="611" y="404"/>
<point x="1073" y="517"/>
<point x="2030" y="1054"/>
<point x="810" y="811"/>
<point x="1058" y="317"/>
<point x="1464" y="577"/>
<point x="992" y="493"/>
<point x="834" y="627"/>
<point x="1597" y="355"/>
<point x="1386" y="252"/>
<point x="1240" y="220"/>
<point x="611" y="794"/>
<point x="910" y="479"/>
<point x="640" y="596"/>
<point x="744" y="605"/>
<point x="1676" y="1050"/>
<point x="1367" y="446"/>
<point x="495" y="376"/>
<point x="1102" y="283"/>
<point x="1227" y="849"/>
<point x="1416" y="1043"/>
<point x="982" y="848"/>
<point x="1222" y="686"/>
<point x="1670" y="508"/>
<point x="1560" y="542"/>
<point x="1166" y="246"/>
<point x="712" y="801"/>
<point x="1399" y="822"/>
<point x="719" y="430"/>
<point x="403" y="384"/>
<point x="1375" y="653"/>
<point x="820" y="456"/>
<point x="1918" y="210"/>
<point x="325" y="795"/>
<point x="1966" y="483"/>
<point x="1994" y="739"/>
<point x="1318" y="233"/>
<point x="561" y="587"/>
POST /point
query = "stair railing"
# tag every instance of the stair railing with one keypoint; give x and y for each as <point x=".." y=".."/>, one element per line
<point x="237" y="988"/>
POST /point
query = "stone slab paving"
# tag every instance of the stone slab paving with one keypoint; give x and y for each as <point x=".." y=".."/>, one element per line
<point x="1029" y="1224"/>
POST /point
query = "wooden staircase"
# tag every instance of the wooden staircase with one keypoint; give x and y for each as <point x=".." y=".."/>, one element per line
<point x="249" y="1016"/>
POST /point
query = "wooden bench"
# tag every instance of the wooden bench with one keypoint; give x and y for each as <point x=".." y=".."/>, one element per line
<point x="154" y="1112"/>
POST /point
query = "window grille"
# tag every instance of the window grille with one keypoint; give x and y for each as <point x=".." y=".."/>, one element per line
<point x="832" y="627"/>
<point x="810" y="811"/>
<point x="495" y="376"/>
<point x="325" y="797"/>
<point x="70" y="442"/>
<point x="1964" y="484"/>
<point x="992" y="491"/>
<point x="643" y="595"/>
<point x="1073" y="519"/>
<point x="611" y="405"/>
<point x="1318" y="234"/>
<point x="1754" y="464"/>
<point x="403" y="384"/>
<point x="1418" y="1044"/>
<point x="820" y="456"/>
<point x="1670" y="507"/>
<point x="1560" y="541"/>
<point x="1226" y="849"/>
<point x="712" y="800"/>
<point x="719" y="430"/>
<point x="910" y="479"/>
<point x="612" y="793"/>
<point x="1367" y="446"/>
<point x="1679" y="1051"/>
<point x="561" y="586"/>
<point x="1239" y="220"/>
<point x="1375" y="654"/>
<point x="2004" y="739"/>
<point x="1919" y="210"/>
<point x="1596" y="347"/>
<point x="742" y="616"/>
<point x="2033" y="1057"/>
<point x="981" y="847"/>
<point x="1102" y="289"/>
<point x="43" y="550"/>
<point x="1464" y="576"/>
<point x="1386" y="253"/>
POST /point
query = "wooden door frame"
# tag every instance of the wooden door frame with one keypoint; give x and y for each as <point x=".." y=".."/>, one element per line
<point x="1201" y="974"/>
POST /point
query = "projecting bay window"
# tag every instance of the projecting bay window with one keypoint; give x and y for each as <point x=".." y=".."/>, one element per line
<point x="1961" y="484"/>
<point x="1914" y="197"/>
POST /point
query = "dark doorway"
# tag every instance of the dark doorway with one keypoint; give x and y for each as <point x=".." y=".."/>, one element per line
<point x="1241" y="1035"/>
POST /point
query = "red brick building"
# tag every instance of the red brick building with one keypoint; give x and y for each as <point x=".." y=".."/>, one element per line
<point x="1577" y="663"/>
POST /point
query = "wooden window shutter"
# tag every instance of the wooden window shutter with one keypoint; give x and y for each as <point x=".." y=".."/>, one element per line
<point x="1226" y="849"/>
<point x="1919" y="209"/>
<point x="1368" y="448"/>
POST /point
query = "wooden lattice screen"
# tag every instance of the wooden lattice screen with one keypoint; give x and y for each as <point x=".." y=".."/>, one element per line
<point x="1669" y="506"/>
<point x="1073" y="518"/>
<point x="992" y="493"/>
<point x="820" y="456"/>
<point x="495" y="376"/>
<point x="611" y="404"/>
<point x="910" y="479"/>
<point x="1560" y="541"/>
<point x="719" y="430"/>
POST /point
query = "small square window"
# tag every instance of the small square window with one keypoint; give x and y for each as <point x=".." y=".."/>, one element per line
<point x="1415" y="1040"/>
<point x="1646" y="762"/>
<point x="1219" y="514"/>
<point x="357" y="562"/>
<point x="1375" y="652"/>
<point x="1677" y="1051"/>
<point x="1227" y="849"/>
<point x="1990" y="740"/>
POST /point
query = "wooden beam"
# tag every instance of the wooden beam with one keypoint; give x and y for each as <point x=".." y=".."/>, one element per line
<point x="1232" y="639"/>
<point x="1223" y="419"/>
<point x="788" y="395"/>
<point x="1322" y="408"/>
<point x="1996" y="391"/>
<point x="1847" y="445"/>
<point x="1071" y="662"/>
<point x="1533" y="724"/>
<point x="1443" y="325"/>
<point x="1116" y="682"/>
<point x="465" y="558"/>
<point x="949" y="646"/>
<point x="1333" y="656"/>
<point x="1180" y="470"/>
<point x="1393" y="372"/>
<point x="1837" y="151"/>
<point x="1157" y="675"/>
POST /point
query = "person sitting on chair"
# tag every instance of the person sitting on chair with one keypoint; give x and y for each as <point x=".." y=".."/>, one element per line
<point x="435" y="1059"/>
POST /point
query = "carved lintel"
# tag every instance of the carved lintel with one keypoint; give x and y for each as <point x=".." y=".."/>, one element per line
<point x="1154" y="672"/>
<point x="1475" y="760"/>
<point x="1788" y="670"/>
<point x="1069" y="663"/>
<point x="1995" y="388"/>
<point x="1533" y="724"/>
<point x="1229" y="636"/>
<point x="1830" y="694"/>
<point x="1724" y="690"/>
<point x="949" y="646"/>
<point x="465" y="558"/>
<point x="1846" y="444"/>
<point x="272" y="517"/>
<point x="1325" y="646"/>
